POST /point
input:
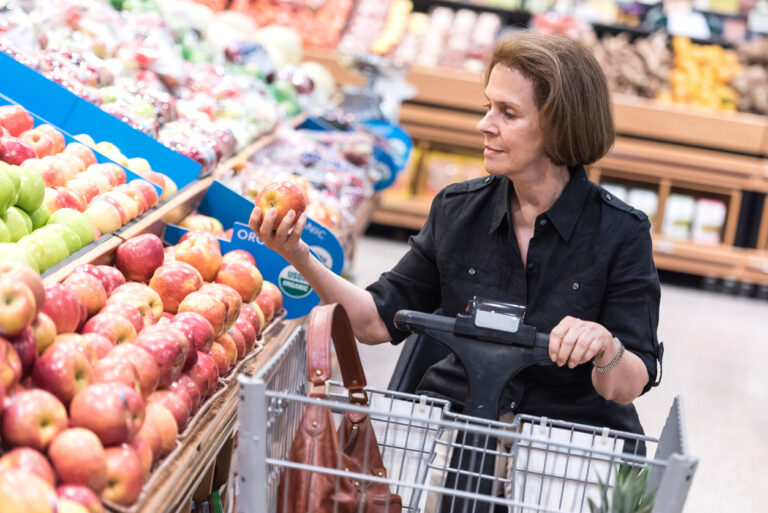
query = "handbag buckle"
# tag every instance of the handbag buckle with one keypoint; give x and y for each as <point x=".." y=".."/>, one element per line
<point x="313" y="386"/>
<point x="358" y="397"/>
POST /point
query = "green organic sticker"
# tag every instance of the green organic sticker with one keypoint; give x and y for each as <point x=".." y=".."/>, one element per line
<point x="292" y="283"/>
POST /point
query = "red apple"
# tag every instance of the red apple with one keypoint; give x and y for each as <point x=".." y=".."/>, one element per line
<point x="15" y="119"/>
<point x="114" y="173"/>
<point x="282" y="196"/>
<point x="275" y="295"/>
<point x="82" y="152"/>
<point x="28" y="460"/>
<point x="169" y="346"/>
<point x="51" y="175"/>
<point x="67" y="198"/>
<point x="239" y="255"/>
<point x="193" y="234"/>
<point x="264" y="301"/>
<point x="17" y="309"/>
<point x="135" y="195"/>
<point x="173" y="282"/>
<point x="144" y="452"/>
<point x="105" y="214"/>
<point x="63" y="370"/>
<point x="33" y="418"/>
<point x="159" y="418"/>
<point x="22" y="492"/>
<point x="244" y="278"/>
<point x="208" y="306"/>
<point x="89" y="289"/>
<point x="168" y="185"/>
<point x="39" y="141"/>
<point x="98" y="179"/>
<point x="59" y="143"/>
<point x="10" y="365"/>
<point x="113" y="411"/>
<point x="29" y="277"/>
<point x="116" y="328"/>
<point x="64" y="307"/>
<point x="249" y="313"/>
<point x="149" y="434"/>
<point x="226" y="341"/>
<point x="202" y="254"/>
<point x="146" y="189"/>
<point x="130" y="312"/>
<point x="142" y="294"/>
<point x="186" y="385"/>
<point x="81" y="495"/>
<point x="138" y="257"/>
<point x="197" y="329"/>
<point x="205" y="374"/>
<point x="245" y="328"/>
<point x="44" y="331"/>
<point x="125" y="475"/>
<point x="170" y="253"/>
<point x="26" y="347"/>
<point x="112" y="370"/>
<point x="230" y="296"/>
<point x="66" y="164"/>
<point x="174" y="404"/>
<point x="112" y="278"/>
<point x="80" y="344"/>
<point x="128" y="204"/>
<point x="143" y="362"/>
<point x="239" y="340"/>
<point x="79" y="459"/>
<point x="87" y="189"/>
<point x="165" y="318"/>
<point x="15" y="152"/>
<point x="221" y="357"/>
<point x="100" y="344"/>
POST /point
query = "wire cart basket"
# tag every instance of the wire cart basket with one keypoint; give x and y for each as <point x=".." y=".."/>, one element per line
<point x="538" y="464"/>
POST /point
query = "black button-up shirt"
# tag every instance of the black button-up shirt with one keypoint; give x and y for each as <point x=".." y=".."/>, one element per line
<point x="590" y="257"/>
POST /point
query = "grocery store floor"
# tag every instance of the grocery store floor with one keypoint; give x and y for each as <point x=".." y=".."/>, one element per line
<point x="716" y="353"/>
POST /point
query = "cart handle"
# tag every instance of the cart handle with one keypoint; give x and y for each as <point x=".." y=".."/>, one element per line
<point x="419" y="322"/>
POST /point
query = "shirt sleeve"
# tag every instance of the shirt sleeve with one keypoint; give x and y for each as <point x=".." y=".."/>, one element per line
<point x="630" y="308"/>
<point x="414" y="282"/>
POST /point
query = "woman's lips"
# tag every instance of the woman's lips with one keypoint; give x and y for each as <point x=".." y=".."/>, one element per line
<point x="491" y="151"/>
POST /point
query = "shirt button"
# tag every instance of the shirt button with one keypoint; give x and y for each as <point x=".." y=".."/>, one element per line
<point x="488" y="179"/>
<point x="530" y="266"/>
<point x="575" y="285"/>
<point x="608" y="197"/>
<point x="471" y="271"/>
<point x="543" y="222"/>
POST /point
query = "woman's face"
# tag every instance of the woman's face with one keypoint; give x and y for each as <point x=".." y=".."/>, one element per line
<point x="513" y="138"/>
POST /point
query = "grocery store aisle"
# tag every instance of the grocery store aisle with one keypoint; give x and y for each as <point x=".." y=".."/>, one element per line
<point x="716" y="350"/>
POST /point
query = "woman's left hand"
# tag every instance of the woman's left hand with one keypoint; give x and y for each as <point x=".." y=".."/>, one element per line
<point x="574" y="342"/>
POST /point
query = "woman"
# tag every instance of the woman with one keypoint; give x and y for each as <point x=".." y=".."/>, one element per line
<point x="535" y="232"/>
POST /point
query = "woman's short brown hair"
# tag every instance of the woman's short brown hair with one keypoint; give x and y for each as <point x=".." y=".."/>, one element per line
<point x="570" y="91"/>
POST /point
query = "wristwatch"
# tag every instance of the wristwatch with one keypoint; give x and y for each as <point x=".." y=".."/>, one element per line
<point x="613" y="363"/>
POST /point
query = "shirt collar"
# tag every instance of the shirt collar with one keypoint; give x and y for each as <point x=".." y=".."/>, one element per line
<point x="563" y="214"/>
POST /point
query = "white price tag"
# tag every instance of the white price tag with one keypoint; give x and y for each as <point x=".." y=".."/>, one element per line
<point x="689" y="24"/>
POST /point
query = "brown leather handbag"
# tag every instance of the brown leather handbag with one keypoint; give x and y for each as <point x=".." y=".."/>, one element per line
<point x="352" y="449"/>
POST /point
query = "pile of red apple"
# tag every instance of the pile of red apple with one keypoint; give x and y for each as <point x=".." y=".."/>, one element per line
<point x="101" y="372"/>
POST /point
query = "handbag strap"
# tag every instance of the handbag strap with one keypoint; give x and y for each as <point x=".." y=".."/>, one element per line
<point x="326" y="323"/>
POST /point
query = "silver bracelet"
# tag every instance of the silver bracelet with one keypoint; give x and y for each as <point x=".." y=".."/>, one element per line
<point x="613" y="362"/>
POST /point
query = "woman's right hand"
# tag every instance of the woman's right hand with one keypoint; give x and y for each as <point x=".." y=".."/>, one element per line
<point x="285" y="239"/>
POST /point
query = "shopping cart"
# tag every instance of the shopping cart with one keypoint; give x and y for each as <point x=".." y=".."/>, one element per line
<point x="440" y="461"/>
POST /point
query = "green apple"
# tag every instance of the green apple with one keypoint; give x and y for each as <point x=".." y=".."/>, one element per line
<point x="13" y="174"/>
<point x="48" y="248"/>
<point x="8" y="192"/>
<point x="40" y="217"/>
<point x="105" y="148"/>
<point x="16" y="222"/>
<point x="27" y="220"/>
<point x="5" y="234"/>
<point x="144" y="109"/>
<point x="76" y="221"/>
<point x="68" y="235"/>
<point x="31" y="190"/>
<point x="11" y="252"/>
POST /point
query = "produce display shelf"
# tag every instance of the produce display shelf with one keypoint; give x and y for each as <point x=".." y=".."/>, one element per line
<point x="639" y="117"/>
<point x="170" y="489"/>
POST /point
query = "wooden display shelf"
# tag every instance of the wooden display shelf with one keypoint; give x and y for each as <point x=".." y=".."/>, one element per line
<point x="170" y="489"/>
<point x="456" y="90"/>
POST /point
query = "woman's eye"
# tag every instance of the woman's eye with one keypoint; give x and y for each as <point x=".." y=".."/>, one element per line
<point x="509" y="115"/>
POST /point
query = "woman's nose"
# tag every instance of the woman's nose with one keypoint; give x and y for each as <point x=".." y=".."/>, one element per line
<point x="485" y="125"/>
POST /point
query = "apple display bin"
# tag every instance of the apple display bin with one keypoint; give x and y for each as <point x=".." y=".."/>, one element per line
<point x="234" y="210"/>
<point x="174" y="481"/>
<point x="64" y="109"/>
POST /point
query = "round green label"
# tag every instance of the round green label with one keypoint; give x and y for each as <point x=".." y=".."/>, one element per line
<point x="293" y="284"/>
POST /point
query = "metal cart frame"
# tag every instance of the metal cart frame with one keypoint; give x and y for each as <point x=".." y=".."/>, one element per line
<point x="415" y="434"/>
